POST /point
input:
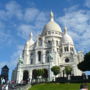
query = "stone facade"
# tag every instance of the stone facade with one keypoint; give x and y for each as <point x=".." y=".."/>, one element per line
<point x="51" y="42"/>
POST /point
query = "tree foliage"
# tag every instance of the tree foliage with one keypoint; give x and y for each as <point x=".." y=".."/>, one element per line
<point x="68" y="70"/>
<point x="85" y="65"/>
<point x="34" y="74"/>
<point x="40" y="72"/>
<point x="55" y="70"/>
<point x="45" y="75"/>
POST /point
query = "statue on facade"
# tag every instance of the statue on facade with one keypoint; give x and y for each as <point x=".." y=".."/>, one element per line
<point x="20" y="60"/>
<point x="50" y="57"/>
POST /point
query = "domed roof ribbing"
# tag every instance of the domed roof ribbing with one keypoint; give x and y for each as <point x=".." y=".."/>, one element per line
<point x="66" y="38"/>
<point x="52" y="25"/>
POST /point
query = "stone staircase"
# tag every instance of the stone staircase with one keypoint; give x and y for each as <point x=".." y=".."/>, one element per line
<point x="26" y="87"/>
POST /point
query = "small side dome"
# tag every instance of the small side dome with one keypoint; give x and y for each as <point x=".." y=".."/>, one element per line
<point x="30" y="41"/>
<point x="52" y="25"/>
<point x="66" y="38"/>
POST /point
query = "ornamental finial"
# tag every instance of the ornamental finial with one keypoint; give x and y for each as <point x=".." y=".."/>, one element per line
<point x="20" y="60"/>
<point x="51" y="16"/>
<point x="65" y="29"/>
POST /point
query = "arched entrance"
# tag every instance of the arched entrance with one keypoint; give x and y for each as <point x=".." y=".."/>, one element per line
<point x="26" y="76"/>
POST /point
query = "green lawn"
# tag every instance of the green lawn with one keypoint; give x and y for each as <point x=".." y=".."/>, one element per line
<point x="56" y="86"/>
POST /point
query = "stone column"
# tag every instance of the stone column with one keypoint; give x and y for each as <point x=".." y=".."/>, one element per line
<point x="50" y="74"/>
<point x="36" y="57"/>
<point x="29" y="57"/>
<point x="63" y="49"/>
<point x="43" y="44"/>
<point x="37" y="43"/>
<point x="69" y="48"/>
<point x="26" y="57"/>
<point x="19" y="75"/>
<point x="30" y="75"/>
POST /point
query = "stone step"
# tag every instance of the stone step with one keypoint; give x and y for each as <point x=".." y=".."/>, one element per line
<point x="23" y="87"/>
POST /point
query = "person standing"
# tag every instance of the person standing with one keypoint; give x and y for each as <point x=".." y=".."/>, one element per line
<point x="6" y="88"/>
<point x="83" y="87"/>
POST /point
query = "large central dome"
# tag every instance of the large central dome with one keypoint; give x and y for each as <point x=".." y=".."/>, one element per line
<point x="52" y="25"/>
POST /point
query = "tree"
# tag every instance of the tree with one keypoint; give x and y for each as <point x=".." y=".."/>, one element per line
<point x="45" y="75"/>
<point x="37" y="73"/>
<point x="55" y="70"/>
<point x="68" y="70"/>
<point x="85" y="65"/>
<point x="40" y="72"/>
<point x="34" y="74"/>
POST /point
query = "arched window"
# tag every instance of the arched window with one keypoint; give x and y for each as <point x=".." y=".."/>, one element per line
<point x="49" y="32"/>
<point x="49" y="42"/>
<point x="66" y="49"/>
<point x="61" y="50"/>
<point x="31" y="61"/>
<point x="40" y="42"/>
<point x="56" y="43"/>
<point x="47" y="56"/>
<point x="31" y="54"/>
<point x="71" y="49"/>
<point x="39" y="56"/>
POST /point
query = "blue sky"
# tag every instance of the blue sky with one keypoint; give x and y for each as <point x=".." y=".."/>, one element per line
<point x="20" y="17"/>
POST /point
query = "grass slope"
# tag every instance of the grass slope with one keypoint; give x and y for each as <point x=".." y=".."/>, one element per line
<point x="56" y="86"/>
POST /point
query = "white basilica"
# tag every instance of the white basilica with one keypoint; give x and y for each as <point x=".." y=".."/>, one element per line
<point x="51" y="42"/>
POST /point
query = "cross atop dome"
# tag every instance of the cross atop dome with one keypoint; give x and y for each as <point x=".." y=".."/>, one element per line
<point x="51" y="16"/>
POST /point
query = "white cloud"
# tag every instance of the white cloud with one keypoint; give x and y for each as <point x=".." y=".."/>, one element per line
<point x="78" y="23"/>
<point x="3" y="38"/>
<point x="30" y="14"/>
<point x="87" y="3"/>
<point x="37" y="19"/>
<point x="77" y="20"/>
<point x="3" y="15"/>
<point x="42" y="17"/>
<point x="24" y="30"/>
<point x="13" y="9"/>
<point x="13" y="58"/>
<point x="41" y="20"/>
<point x="16" y="54"/>
<point x="25" y="20"/>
